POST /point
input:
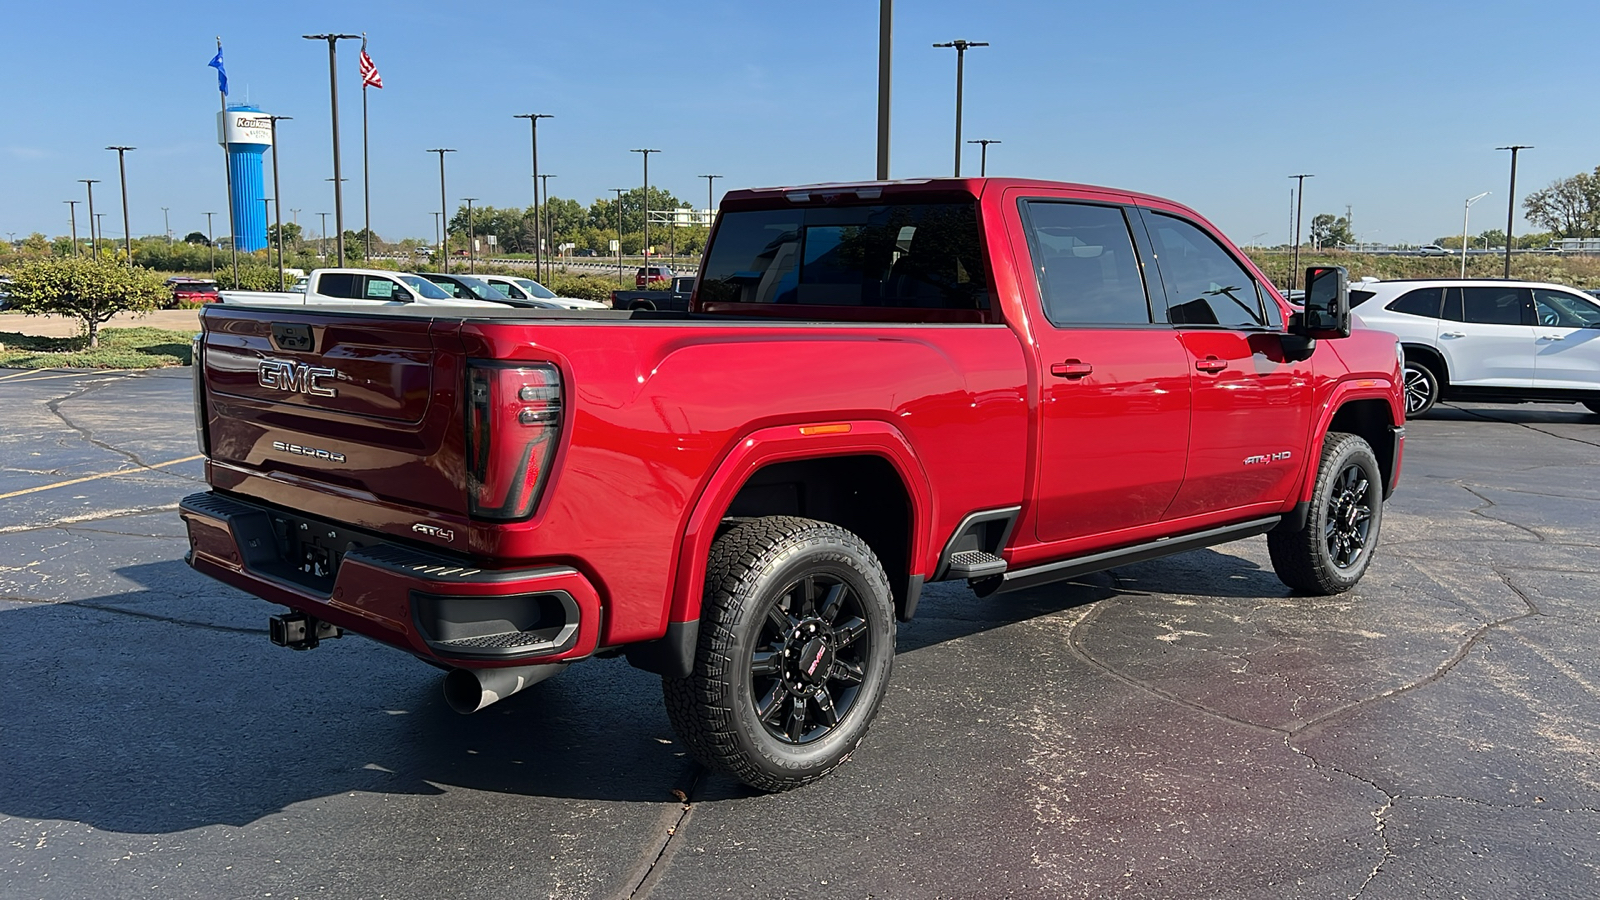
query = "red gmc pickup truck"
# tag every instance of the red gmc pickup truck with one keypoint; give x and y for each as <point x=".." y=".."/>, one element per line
<point x="877" y="385"/>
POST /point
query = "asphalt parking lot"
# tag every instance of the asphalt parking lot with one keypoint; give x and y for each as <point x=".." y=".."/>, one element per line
<point x="1178" y="728"/>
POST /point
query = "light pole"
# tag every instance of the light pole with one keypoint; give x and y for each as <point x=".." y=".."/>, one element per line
<point x="100" y="223"/>
<point x="711" y="206"/>
<point x="94" y="252"/>
<point x="646" y="247"/>
<point x="885" y="27"/>
<point x="72" y="210"/>
<point x="211" y="243"/>
<point x="983" y="156"/>
<point x="961" y="59"/>
<point x="166" y="222"/>
<point x="1511" y="200"/>
<point x="277" y="207"/>
<point x="436" y="247"/>
<point x="544" y="191"/>
<point x="472" y="240"/>
<point x="619" y="234"/>
<point x="1467" y="211"/>
<point x="444" y="211"/>
<point x="122" y="167"/>
<point x="333" y="94"/>
<point x="323" y="253"/>
<point x="538" y="231"/>
<point x="1299" y="204"/>
<point x="337" y="186"/>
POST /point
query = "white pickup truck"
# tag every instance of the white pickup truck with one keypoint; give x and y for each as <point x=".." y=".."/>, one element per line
<point x="357" y="287"/>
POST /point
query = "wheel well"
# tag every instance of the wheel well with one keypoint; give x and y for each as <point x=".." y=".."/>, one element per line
<point x="1430" y="358"/>
<point x="863" y="494"/>
<point x="1369" y="419"/>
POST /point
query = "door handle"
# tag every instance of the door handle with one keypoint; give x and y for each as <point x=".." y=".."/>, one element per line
<point x="1211" y="364"/>
<point x="1072" y="368"/>
<point x="1451" y="334"/>
<point x="1552" y="337"/>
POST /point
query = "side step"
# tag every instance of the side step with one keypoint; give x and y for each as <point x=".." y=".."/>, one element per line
<point x="975" y="564"/>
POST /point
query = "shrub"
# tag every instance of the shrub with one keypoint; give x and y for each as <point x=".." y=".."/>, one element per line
<point x="87" y="290"/>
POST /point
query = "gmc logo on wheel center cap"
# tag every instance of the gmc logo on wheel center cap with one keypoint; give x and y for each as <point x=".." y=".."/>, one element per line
<point x="296" y="378"/>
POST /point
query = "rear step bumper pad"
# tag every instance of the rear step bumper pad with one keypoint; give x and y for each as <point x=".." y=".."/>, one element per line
<point x="418" y="601"/>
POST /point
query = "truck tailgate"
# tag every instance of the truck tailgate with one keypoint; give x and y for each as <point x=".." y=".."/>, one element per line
<point x="352" y="405"/>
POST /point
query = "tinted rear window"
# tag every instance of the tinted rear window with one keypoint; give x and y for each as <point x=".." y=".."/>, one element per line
<point x="1420" y="302"/>
<point x="920" y="256"/>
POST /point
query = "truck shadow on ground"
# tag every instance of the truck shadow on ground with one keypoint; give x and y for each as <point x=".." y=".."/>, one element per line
<point x="140" y="712"/>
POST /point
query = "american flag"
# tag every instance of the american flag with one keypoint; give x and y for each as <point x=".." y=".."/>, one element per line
<point x="369" y="71"/>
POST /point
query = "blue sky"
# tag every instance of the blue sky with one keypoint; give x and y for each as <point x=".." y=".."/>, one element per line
<point x="1395" y="106"/>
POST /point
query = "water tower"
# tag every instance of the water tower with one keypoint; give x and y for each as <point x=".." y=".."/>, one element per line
<point x="246" y="132"/>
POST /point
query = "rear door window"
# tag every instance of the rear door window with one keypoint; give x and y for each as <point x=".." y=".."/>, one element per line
<point x="1083" y="259"/>
<point x="339" y="284"/>
<point x="1420" y="302"/>
<point x="1205" y="284"/>
<point x="1489" y="305"/>
<point x="385" y="289"/>
<point x="911" y="255"/>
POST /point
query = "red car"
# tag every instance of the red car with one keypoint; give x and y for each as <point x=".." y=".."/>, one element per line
<point x="193" y="290"/>
<point x="647" y="274"/>
<point x="999" y="382"/>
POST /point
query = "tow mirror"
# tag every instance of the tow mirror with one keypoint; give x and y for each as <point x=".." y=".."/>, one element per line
<point x="1327" y="310"/>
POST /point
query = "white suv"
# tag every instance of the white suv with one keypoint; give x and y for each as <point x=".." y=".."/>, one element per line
<point x="1486" y="339"/>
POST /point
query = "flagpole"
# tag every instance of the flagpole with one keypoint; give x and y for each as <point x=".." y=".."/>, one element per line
<point x="227" y="167"/>
<point x="366" y="182"/>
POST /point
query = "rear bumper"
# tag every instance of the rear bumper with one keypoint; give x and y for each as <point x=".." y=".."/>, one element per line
<point x="423" y="603"/>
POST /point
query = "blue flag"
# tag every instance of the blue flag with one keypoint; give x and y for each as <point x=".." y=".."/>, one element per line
<point x="222" y="74"/>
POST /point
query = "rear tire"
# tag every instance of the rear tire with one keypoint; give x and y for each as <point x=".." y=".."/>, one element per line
<point x="1422" y="387"/>
<point x="797" y="634"/>
<point x="1333" y="549"/>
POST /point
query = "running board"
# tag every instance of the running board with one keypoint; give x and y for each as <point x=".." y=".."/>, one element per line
<point x="1062" y="570"/>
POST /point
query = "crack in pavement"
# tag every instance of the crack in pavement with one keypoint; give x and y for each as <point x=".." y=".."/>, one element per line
<point x="1490" y="504"/>
<point x="650" y="867"/>
<point x="87" y="434"/>
<point x="65" y="523"/>
<point x="1488" y="418"/>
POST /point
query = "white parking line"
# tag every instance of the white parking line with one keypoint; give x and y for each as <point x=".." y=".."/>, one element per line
<point x="70" y="481"/>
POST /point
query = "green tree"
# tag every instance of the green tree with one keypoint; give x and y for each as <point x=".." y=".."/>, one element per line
<point x="87" y="290"/>
<point x="1329" y="231"/>
<point x="291" y="236"/>
<point x="195" y="237"/>
<point x="1568" y="207"/>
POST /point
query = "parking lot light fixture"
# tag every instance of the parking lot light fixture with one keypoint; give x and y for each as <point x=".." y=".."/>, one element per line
<point x="711" y="206"/>
<point x="122" y="167"/>
<point x="961" y="47"/>
<point x="646" y="248"/>
<point x="472" y="240"/>
<point x="277" y="206"/>
<point x="1299" y="203"/>
<point x="72" y="212"/>
<point x="211" y="243"/>
<point x="1464" y="214"/>
<point x="983" y="156"/>
<point x="323" y="252"/>
<point x="333" y="93"/>
<point x="93" y="222"/>
<point x="1511" y="200"/>
<point x="444" y="211"/>
<point x="538" y="233"/>
<point x="619" y="234"/>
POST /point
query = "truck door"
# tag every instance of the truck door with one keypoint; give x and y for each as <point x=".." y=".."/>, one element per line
<point x="1252" y="405"/>
<point x="1114" y="402"/>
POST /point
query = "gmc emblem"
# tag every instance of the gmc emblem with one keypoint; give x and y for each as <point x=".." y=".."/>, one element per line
<point x="296" y="378"/>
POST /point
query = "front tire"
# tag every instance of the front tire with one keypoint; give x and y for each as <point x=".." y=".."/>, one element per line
<point x="1333" y="549"/>
<point x="1422" y="388"/>
<point x="797" y="634"/>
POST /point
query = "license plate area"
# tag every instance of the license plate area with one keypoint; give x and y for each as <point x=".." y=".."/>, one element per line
<point x="309" y="552"/>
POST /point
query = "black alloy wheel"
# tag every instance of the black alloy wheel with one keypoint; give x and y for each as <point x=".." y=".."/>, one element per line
<point x="795" y="645"/>
<point x="811" y="657"/>
<point x="1330" y="551"/>
<point x="1349" y="517"/>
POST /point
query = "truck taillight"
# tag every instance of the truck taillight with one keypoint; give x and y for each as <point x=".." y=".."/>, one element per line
<point x="513" y="427"/>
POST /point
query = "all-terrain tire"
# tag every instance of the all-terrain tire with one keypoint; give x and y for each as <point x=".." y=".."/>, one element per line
<point x="1331" y="552"/>
<point x="797" y="632"/>
<point x="1422" y="386"/>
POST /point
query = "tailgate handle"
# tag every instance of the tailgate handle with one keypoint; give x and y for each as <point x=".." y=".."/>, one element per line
<point x="291" y="336"/>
